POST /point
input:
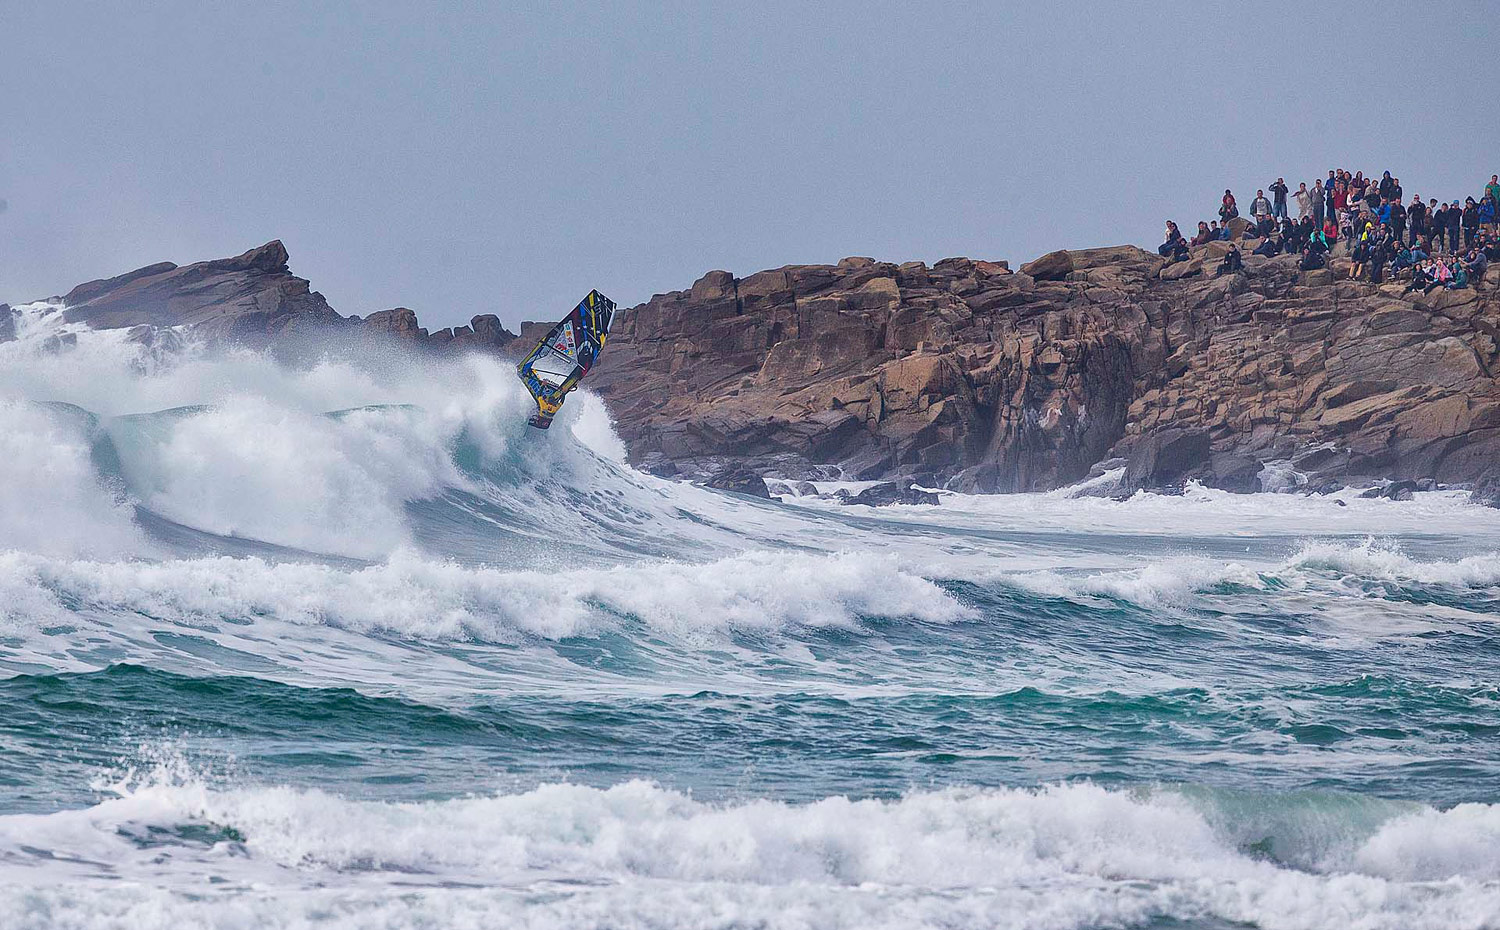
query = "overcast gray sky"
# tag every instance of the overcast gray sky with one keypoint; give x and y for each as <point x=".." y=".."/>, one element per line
<point x="490" y="157"/>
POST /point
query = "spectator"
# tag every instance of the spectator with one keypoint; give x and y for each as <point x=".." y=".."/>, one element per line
<point x="1478" y="263"/>
<point x="1416" y="217"/>
<point x="1203" y="237"/>
<point x="1470" y="220"/>
<point x="1175" y="247"/>
<point x="1232" y="262"/>
<point x="1460" y="278"/>
<point x="1304" y="201"/>
<point x="1319" y="204"/>
<point x="1396" y="216"/>
<point x="1489" y="214"/>
<point x="1278" y="199"/>
<point x="1260" y="206"/>
<point x="1438" y="225"/>
<point x="1228" y="210"/>
<point x="1455" y="223"/>
<point x="1387" y="186"/>
<point x="1493" y="188"/>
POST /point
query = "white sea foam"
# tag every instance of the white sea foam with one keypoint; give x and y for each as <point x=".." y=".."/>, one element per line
<point x="640" y="855"/>
<point x="415" y="597"/>
<point x="1343" y="568"/>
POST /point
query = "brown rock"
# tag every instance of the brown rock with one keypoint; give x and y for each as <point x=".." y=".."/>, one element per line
<point x="1054" y="266"/>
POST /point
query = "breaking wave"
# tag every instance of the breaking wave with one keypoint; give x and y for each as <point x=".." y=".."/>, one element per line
<point x="637" y="854"/>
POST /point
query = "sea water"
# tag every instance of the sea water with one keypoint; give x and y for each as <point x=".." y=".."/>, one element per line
<point x="344" y="643"/>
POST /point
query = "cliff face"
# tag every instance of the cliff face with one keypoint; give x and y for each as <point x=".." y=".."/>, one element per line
<point x="995" y="381"/>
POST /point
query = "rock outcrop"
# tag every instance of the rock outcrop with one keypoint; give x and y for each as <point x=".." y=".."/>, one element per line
<point x="967" y="374"/>
<point x="253" y="299"/>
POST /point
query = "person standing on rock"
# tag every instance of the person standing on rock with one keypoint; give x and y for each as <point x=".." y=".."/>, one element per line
<point x="1260" y="207"/>
<point x="1278" y="196"/>
<point x="1455" y="224"/>
<point x="1489" y="214"/>
<point x="1319" y="203"/>
<point x="1397" y="219"/>
<point x="1416" y="216"/>
<point x="1493" y="188"/>
<point x="1304" y="201"/>
<point x="1437" y="225"/>
<point x="1470" y="219"/>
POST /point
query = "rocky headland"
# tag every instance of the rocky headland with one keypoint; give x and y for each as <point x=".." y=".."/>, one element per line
<point x="971" y="375"/>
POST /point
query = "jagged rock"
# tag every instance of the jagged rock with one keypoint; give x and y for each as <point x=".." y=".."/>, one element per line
<point x="740" y="480"/>
<point x="1100" y="468"/>
<point x="1164" y="460"/>
<point x="7" y="323"/>
<point x="399" y="322"/>
<point x="1400" y="490"/>
<point x="1487" y="489"/>
<point x="249" y="298"/>
<point x="883" y="495"/>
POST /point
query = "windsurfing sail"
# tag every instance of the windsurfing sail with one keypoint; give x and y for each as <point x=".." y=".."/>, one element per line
<point x="565" y="355"/>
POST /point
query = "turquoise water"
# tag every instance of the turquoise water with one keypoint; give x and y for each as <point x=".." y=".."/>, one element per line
<point x="312" y="648"/>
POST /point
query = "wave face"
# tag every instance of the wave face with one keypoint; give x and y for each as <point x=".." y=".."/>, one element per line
<point x="341" y="642"/>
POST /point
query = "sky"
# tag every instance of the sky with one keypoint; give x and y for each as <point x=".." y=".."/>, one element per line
<point x="467" y="158"/>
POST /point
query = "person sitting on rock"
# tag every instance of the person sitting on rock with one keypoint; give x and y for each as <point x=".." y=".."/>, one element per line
<point x="1203" y="237"/>
<point x="1228" y="210"/>
<point x="1478" y="264"/>
<point x="1270" y="247"/>
<point x="1404" y="260"/>
<point x="1175" y="247"/>
<point x="1312" y="259"/>
<point x="1460" y="276"/>
<point x="1361" y="257"/>
<point x="1421" y="278"/>
<point x="1221" y="232"/>
<point x="1232" y="262"/>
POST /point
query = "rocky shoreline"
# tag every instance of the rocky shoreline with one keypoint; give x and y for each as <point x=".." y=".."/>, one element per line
<point x="971" y="376"/>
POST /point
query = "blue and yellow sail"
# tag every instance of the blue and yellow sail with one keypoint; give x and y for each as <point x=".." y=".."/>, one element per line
<point x="565" y="355"/>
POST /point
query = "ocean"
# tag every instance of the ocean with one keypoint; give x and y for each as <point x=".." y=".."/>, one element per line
<point x="344" y="643"/>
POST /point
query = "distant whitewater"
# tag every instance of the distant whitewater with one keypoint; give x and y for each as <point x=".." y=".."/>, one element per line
<point x="347" y="644"/>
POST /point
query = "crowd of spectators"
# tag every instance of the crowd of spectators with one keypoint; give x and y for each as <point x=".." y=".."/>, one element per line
<point x="1430" y="244"/>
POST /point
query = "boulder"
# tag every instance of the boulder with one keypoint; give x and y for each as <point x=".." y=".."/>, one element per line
<point x="740" y="480"/>
<point x="891" y="492"/>
<point x="1054" y="266"/>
